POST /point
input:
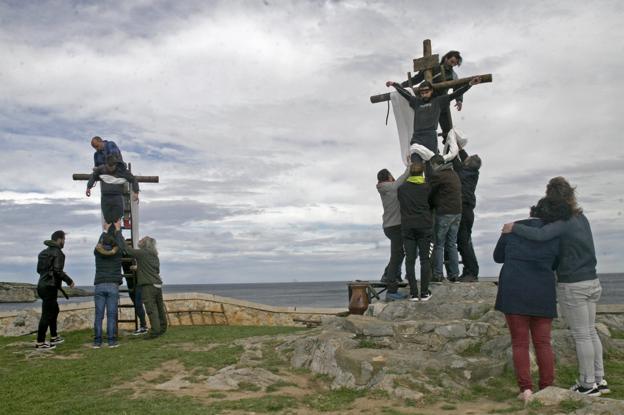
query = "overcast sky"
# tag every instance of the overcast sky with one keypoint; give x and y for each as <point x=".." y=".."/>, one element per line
<point x="256" y="116"/>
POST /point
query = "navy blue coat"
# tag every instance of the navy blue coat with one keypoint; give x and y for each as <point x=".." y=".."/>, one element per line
<point x="527" y="283"/>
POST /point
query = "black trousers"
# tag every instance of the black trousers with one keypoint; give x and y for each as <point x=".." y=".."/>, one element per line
<point x="49" y="312"/>
<point x="112" y="207"/>
<point x="418" y="241"/>
<point x="392" y="273"/>
<point x="464" y="242"/>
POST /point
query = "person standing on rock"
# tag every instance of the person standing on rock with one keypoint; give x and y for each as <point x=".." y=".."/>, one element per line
<point x="578" y="287"/>
<point x="467" y="168"/>
<point x="416" y="224"/>
<point x="108" y="255"/>
<point x="446" y="199"/>
<point x="50" y="264"/>
<point x="527" y="296"/>
<point x="150" y="284"/>
<point x="387" y="187"/>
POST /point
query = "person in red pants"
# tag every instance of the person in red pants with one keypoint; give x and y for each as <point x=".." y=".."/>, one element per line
<point x="527" y="296"/>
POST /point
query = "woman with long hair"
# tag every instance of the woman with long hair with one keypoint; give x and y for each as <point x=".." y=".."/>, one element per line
<point x="578" y="287"/>
<point x="527" y="296"/>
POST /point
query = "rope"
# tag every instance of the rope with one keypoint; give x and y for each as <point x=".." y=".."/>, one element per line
<point x="388" y="113"/>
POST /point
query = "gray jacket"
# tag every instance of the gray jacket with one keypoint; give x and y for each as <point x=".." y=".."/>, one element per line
<point x="390" y="201"/>
<point x="577" y="255"/>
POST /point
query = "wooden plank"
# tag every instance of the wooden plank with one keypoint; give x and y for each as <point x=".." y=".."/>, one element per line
<point x="427" y="62"/>
<point x="141" y="179"/>
<point x="485" y="78"/>
<point x="374" y="99"/>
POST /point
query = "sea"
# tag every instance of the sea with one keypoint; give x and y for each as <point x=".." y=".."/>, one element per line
<point x="307" y="294"/>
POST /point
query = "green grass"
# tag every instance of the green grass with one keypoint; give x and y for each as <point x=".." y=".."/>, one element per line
<point x="570" y="405"/>
<point x="370" y="344"/>
<point x="75" y="386"/>
<point x="334" y="400"/>
<point x="616" y="334"/>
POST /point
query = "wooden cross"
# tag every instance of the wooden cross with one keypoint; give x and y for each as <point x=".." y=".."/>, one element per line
<point x="426" y="64"/>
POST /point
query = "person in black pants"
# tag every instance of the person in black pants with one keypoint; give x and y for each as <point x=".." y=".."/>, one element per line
<point x="50" y="265"/>
<point x="112" y="180"/>
<point x="467" y="167"/>
<point x="416" y="227"/>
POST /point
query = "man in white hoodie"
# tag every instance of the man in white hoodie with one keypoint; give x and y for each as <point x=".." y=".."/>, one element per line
<point x="387" y="187"/>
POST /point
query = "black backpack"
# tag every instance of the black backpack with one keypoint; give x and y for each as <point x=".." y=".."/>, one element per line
<point x="45" y="262"/>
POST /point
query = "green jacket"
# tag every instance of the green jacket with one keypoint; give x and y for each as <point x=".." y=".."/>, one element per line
<point x="148" y="266"/>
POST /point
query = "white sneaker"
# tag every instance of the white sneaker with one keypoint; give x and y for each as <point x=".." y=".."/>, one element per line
<point x="414" y="298"/>
<point x="603" y="387"/>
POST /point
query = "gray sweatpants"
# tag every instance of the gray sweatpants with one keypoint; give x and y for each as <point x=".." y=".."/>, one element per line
<point x="577" y="301"/>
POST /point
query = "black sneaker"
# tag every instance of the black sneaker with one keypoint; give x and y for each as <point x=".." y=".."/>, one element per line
<point x="603" y="387"/>
<point x="425" y="296"/>
<point x="139" y="331"/>
<point x="452" y="280"/>
<point x="44" y="346"/>
<point x="436" y="279"/>
<point x="57" y="340"/>
<point x="468" y="278"/>
<point x="414" y="298"/>
<point x="592" y="391"/>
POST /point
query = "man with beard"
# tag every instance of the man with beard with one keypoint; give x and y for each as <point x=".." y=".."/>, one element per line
<point x="50" y="264"/>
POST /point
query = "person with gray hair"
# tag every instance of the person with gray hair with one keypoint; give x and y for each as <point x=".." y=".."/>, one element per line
<point x="150" y="284"/>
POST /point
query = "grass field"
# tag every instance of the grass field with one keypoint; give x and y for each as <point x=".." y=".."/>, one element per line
<point x="75" y="379"/>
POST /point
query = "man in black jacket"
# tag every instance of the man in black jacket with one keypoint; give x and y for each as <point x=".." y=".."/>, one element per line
<point x="112" y="180"/>
<point x="416" y="223"/>
<point x="467" y="168"/>
<point x="108" y="254"/>
<point x="50" y="265"/>
<point x="445" y="198"/>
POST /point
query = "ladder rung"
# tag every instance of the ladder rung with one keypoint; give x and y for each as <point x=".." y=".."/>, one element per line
<point x="125" y="306"/>
<point x="128" y="275"/>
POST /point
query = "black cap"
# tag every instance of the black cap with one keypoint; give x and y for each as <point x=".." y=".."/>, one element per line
<point x="57" y="235"/>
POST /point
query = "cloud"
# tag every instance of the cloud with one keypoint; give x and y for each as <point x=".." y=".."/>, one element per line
<point x="256" y="117"/>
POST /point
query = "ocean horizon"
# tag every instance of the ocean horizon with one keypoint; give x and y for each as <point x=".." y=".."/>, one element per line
<point x="306" y="293"/>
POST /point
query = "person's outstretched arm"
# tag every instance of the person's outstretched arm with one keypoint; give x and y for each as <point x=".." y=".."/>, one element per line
<point x="545" y="233"/>
<point x="402" y="91"/>
<point x="401" y="179"/>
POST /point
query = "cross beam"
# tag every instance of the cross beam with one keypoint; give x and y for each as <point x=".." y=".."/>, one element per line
<point x="141" y="179"/>
<point x="426" y="65"/>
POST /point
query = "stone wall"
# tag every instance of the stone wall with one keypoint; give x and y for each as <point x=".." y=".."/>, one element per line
<point x="182" y="309"/>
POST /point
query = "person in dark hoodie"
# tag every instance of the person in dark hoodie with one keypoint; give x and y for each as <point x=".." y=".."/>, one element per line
<point x="416" y="223"/>
<point x="445" y="199"/>
<point x="442" y="73"/>
<point x="50" y="264"/>
<point x="387" y="187"/>
<point x="150" y="284"/>
<point x="578" y="287"/>
<point x="108" y="254"/>
<point x="467" y="168"/>
<point x="427" y="110"/>
<point x="103" y="150"/>
<point x="527" y="295"/>
<point x="112" y="179"/>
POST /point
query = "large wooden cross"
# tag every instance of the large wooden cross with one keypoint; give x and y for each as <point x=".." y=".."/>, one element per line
<point x="426" y="64"/>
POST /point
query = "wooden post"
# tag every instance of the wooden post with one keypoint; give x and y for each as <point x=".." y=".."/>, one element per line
<point x="428" y="73"/>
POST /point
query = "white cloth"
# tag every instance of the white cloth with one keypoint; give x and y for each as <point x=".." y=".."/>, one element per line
<point x="404" y="117"/>
<point x="107" y="178"/>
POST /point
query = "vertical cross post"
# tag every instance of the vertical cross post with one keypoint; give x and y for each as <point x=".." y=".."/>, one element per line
<point x="428" y="73"/>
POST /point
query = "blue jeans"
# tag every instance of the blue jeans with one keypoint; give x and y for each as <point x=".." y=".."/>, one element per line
<point x="446" y="228"/>
<point x="106" y="298"/>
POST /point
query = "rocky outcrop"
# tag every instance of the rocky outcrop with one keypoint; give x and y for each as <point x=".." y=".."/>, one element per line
<point x="553" y="396"/>
<point x="409" y="349"/>
<point x="18" y="292"/>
